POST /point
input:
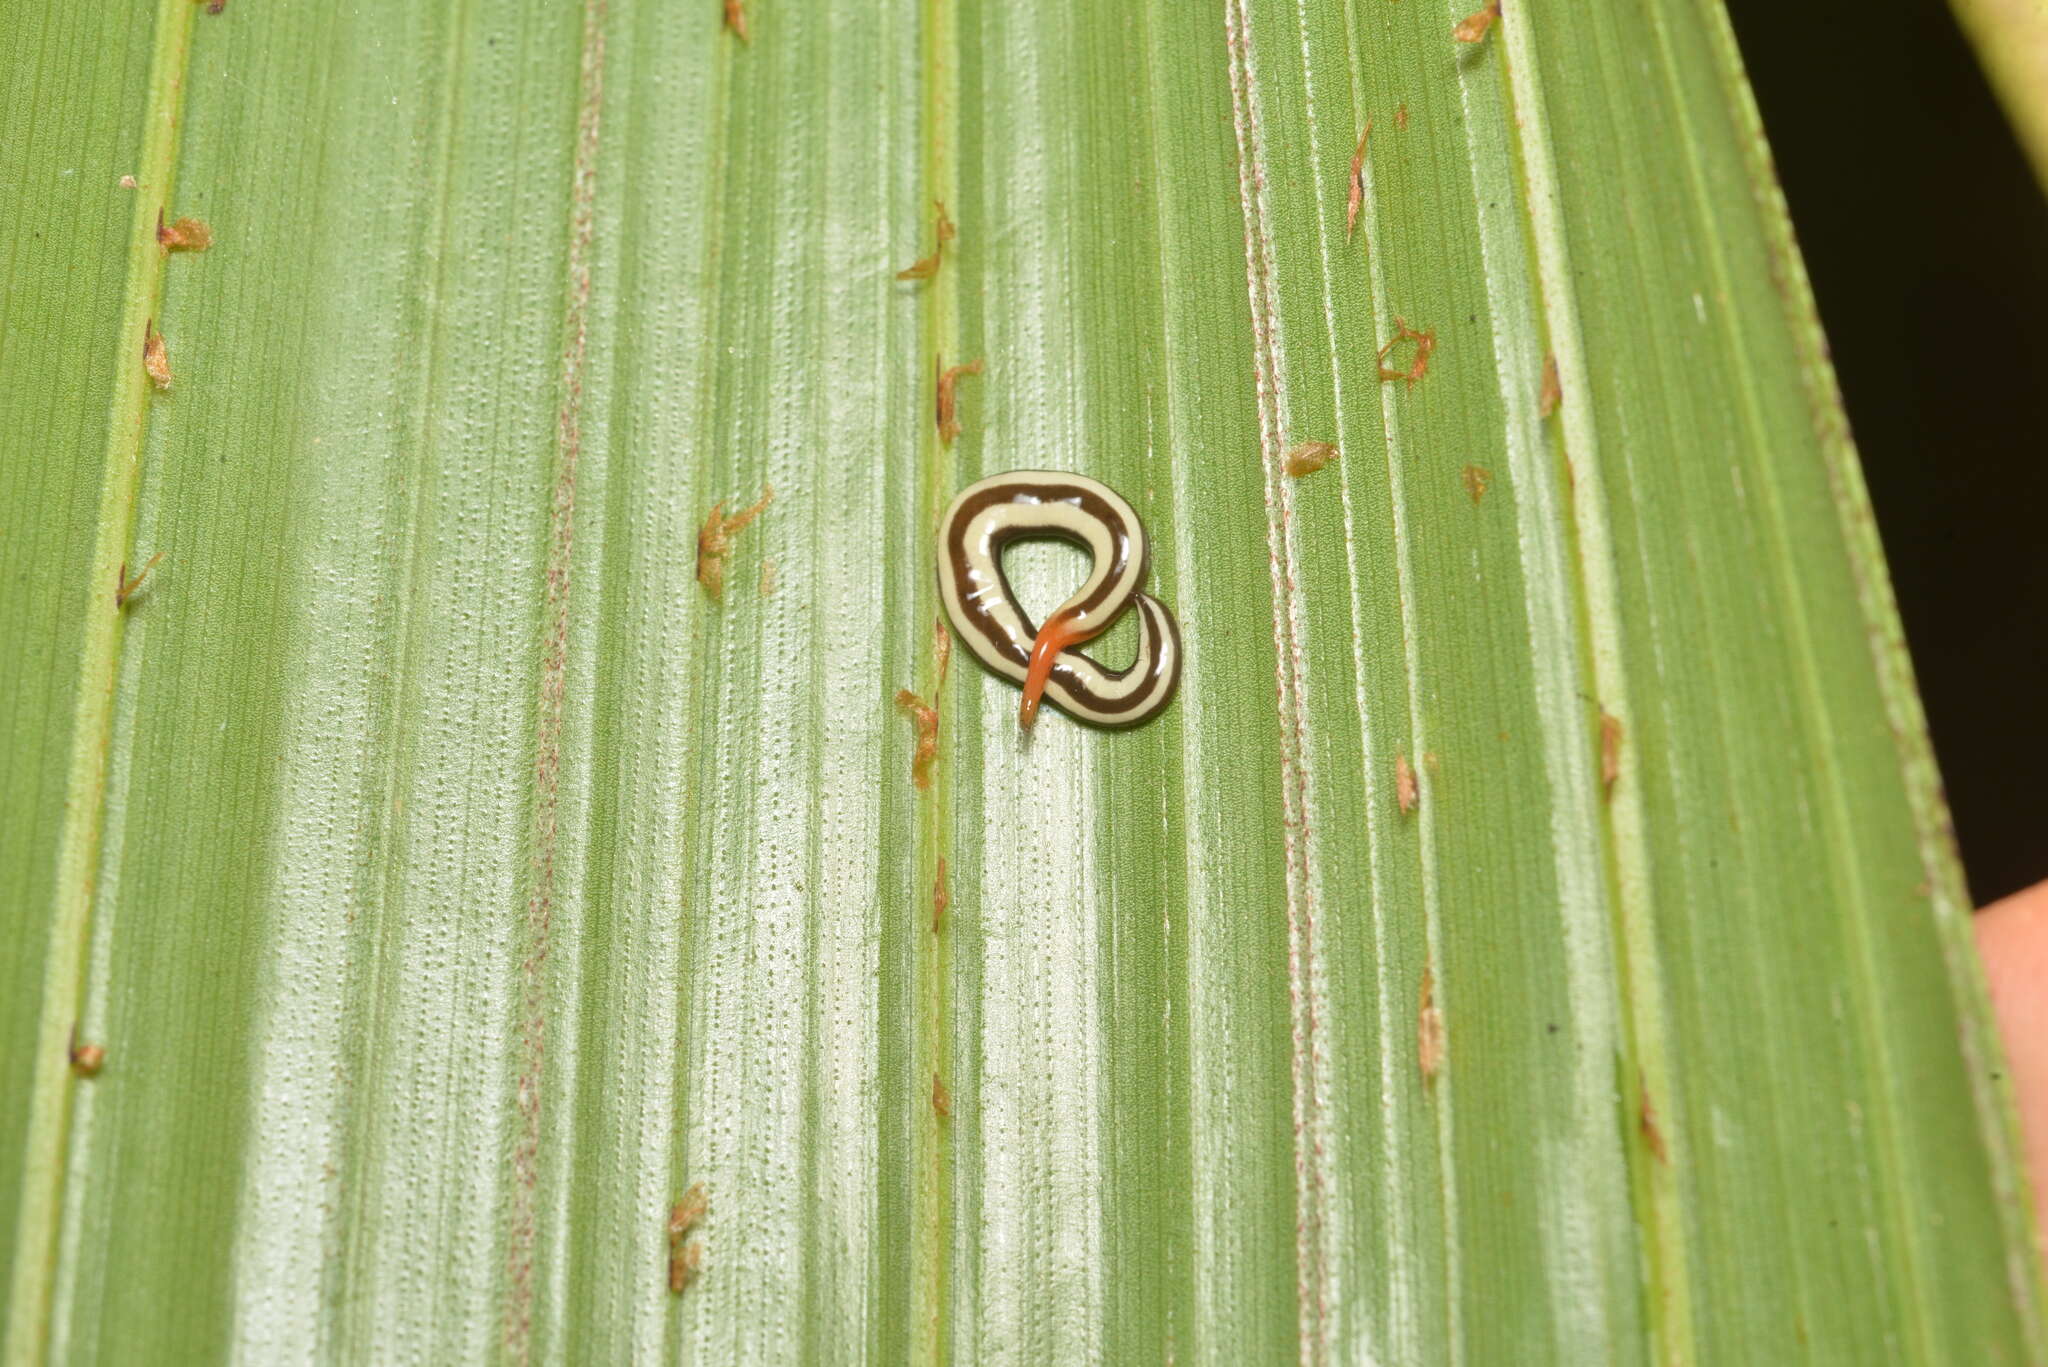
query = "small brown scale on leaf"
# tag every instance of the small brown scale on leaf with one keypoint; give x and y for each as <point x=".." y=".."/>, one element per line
<point x="714" y="541"/>
<point x="685" y="1214"/>
<point x="1357" y="191"/>
<point x="156" y="358"/>
<point x="1405" y="792"/>
<point x="1308" y="457"/>
<point x="685" y="1261"/>
<point x="1473" y="28"/>
<point x="86" y="1059"/>
<point x="186" y="235"/>
<point x="1425" y="343"/>
<point x="736" y="19"/>
<point x="1477" y="482"/>
<point x="1646" y="1116"/>
<point x="1610" y="752"/>
<point x="1552" y="393"/>
<point x="684" y="1257"/>
<point x="948" y="412"/>
<point x="926" y="720"/>
<point x="942" y="1100"/>
<point x="926" y="267"/>
<point x="1429" y="1029"/>
<point x="942" y="647"/>
<point x="126" y="587"/>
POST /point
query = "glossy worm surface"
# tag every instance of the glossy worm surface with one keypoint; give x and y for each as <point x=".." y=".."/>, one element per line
<point x="987" y="517"/>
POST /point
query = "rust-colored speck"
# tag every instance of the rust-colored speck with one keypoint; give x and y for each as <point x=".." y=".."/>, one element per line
<point x="685" y="1261"/>
<point x="1401" y="117"/>
<point x="156" y="358"/>
<point x="1357" y="192"/>
<point x="1308" y="457"/>
<point x="685" y="1257"/>
<point x="1610" y="752"/>
<point x="940" y="897"/>
<point x="186" y="235"/>
<point x="1418" y="365"/>
<point x="86" y="1059"/>
<point x="736" y="19"/>
<point x="1429" y="1029"/>
<point x="1646" y="1117"/>
<point x="124" y="587"/>
<point x="926" y="267"/>
<point x="685" y="1214"/>
<point x="1552" y="393"/>
<point x="1473" y="28"/>
<point x="1477" y="482"/>
<point x="942" y="1100"/>
<point x="942" y="649"/>
<point x="948" y="411"/>
<point x="926" y="719"/>
<point x="714" y="540"/>
<point x="767" y="575"/>
<point x="1405" y="792"/>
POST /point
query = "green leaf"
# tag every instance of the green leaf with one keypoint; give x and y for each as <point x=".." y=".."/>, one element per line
<point x="1531" y="935"/>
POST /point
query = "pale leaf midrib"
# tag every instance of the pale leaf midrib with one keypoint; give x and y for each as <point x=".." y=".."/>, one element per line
<point x="934" y="1334"/>
<point x="35" y="1236"/>
<point x="1668" y="1292"/>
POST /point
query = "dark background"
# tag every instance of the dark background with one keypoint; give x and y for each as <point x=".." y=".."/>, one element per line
<point x="1927" y="241"/>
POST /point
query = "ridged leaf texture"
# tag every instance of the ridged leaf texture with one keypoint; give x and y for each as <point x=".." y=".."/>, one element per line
<point x="1531" y="936"/>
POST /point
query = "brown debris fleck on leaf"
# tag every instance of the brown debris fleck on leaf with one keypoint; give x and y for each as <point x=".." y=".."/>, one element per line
<point x="127" y="182"/>
<point x="1357" y="192"/>
<point x="1429" y="1029"/>
<point x="940" y="897"/>
<point x="1646" y="1116"/>
<point x="1405" y="792"/>
<point x="926" y="720"/>
<point x="714" y="540"/>
<point x="1474" y="27"/>
<point x="685" y="1261"/>
<point x="126" y="587"/>
<point x="1610" y="752"/>
<point x="942" y="1100"/>
<point x="684" y="1257"/>
<point x="186" y="235"/>
<point x="1477" y="482"/>
<point x="1425" y="343"/>
<point x="1308" y="457"/>
<point x="767" y="575"/>
<point x="685" y="1214"/>
<point x="928" y="266"/>
<point x="1552" y="393"/>
<point x="156" y="358"/>
<point x="86" y="1059"/>
<point x="736" y="19"/>
<point x="948" y="412"/>
<point x="942" y="648"/>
